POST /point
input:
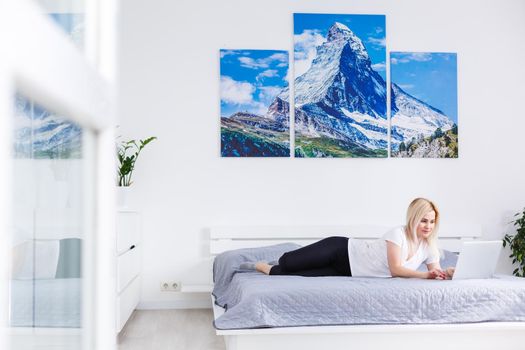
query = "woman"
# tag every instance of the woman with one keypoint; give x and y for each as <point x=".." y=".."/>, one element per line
<point x="398" y="254"/>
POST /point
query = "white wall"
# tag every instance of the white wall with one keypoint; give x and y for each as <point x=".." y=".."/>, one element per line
<point x="169" y="76"/>
<point x="48" y="199"/>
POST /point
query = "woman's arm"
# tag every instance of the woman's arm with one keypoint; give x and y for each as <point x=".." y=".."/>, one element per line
<point x="396" y="268"/>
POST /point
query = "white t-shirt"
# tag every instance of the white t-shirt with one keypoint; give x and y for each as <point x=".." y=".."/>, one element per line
<point x="369" y="259"/>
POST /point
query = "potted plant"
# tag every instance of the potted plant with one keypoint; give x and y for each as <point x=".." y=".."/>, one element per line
<point x="517" y="245"/>
<point x="127" y="154"/>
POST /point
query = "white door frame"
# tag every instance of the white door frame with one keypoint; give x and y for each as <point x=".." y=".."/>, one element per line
<point x="39" y="61"/>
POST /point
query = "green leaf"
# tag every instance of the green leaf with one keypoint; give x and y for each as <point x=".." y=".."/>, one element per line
<point x="148" y="140"/>
<point x="516" y="243"/>
<point x="127" y="155"/>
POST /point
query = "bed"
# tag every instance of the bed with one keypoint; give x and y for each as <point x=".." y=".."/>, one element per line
<point x="48" y="303"/>
<point x="241" y="295"/>
<point x="46" y="284"/>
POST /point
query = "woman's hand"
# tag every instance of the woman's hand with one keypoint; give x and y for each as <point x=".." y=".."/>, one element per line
<point x="450" y="271"/>
<point x="436" y="274"/>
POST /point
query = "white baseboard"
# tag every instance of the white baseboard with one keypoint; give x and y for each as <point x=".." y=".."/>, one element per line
<point x="196" y="301"/>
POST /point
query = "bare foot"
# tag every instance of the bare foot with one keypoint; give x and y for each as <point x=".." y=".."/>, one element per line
<point x="263" y="267"/>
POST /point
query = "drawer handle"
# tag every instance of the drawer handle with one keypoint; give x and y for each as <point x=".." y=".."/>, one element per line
<point x="132" y="247"/>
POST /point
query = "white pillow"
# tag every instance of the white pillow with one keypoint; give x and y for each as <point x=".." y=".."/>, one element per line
<point x="35" y="259"/>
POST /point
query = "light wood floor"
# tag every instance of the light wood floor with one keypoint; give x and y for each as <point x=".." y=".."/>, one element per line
<point x="170" y="329"/>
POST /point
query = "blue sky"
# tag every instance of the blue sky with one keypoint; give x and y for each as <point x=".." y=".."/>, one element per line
<point x="430" y="77"/>
<point x="250" y="79"/>
<point x="310" y="30"/>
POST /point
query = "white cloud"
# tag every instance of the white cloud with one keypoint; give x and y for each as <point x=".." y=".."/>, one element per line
<point x="268" y="93"/>
<point x="225" y="53"/>
<point x="379" y="66"/>
<point x="421" y="56"/>
<point x="269" y="73"/>
<point x="406" y="86"/>
<point x="249" y="62"/>
<point x="259" y="108"/>
<point x="305" y="47"/>
<point x="380" y="43"/>
<point x="408" y="57"/>
<point x="280" y="58"/>
<point x="236" y="92"/>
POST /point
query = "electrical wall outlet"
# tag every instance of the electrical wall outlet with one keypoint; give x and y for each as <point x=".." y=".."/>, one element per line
<point x="170" y="286"/>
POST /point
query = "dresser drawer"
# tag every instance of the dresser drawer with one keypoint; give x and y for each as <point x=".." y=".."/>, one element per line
<point x="127" y="302"/>
<point x="128" y="266"/>
<point x="128" y="230"/>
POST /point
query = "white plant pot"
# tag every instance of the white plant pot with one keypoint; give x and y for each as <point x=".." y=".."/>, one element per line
<point x="123" y="196"/>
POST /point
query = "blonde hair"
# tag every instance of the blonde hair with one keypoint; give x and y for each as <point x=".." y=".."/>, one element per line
<point x="418" y="208"/>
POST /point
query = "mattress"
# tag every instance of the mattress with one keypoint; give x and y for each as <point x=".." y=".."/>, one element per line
<point x="46" y="303"/>
<point x="254" y="300"/>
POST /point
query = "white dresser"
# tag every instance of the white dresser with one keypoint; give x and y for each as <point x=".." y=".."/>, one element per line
<point x="128" y="264"/>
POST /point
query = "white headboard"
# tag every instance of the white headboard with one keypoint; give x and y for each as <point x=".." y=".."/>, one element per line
<point x="234" y="237"/>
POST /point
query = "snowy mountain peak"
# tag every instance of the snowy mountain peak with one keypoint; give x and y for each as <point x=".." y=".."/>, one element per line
<point x="412" y="117"/>
<point x="340" y="96"/>
<point x="397" y="91"/>
<point x="338" y="31"/>
<point x="341" y="74"/>
<point x="339" y="34"/>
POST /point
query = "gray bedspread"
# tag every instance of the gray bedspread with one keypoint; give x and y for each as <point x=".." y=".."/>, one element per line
<point x="254" y="300"/>
<point x="46" y="303"/>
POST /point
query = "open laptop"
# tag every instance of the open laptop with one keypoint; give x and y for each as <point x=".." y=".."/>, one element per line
<point x="477" y="259"/>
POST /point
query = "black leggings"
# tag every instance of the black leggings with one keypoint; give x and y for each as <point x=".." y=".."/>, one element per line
<point x="328" y="257"/>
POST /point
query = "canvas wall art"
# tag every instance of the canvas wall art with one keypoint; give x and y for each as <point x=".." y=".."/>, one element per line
<point x="424" y="105"/>
<point x="40" y="133"/>
<point x="255" y="114"/>
<point x="340" y="86"/>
